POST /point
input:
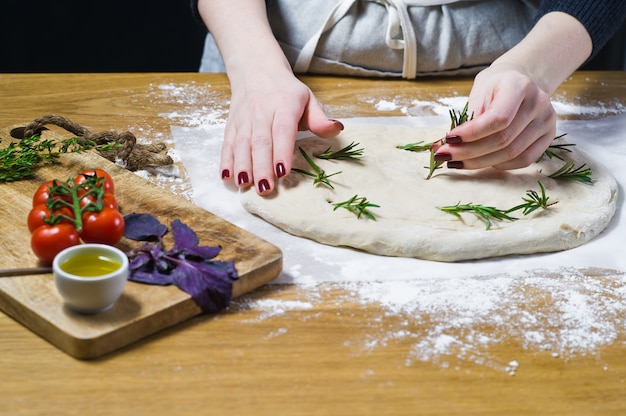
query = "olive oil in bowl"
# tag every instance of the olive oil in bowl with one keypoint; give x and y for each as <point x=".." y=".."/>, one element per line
<point x="90" y="265"/>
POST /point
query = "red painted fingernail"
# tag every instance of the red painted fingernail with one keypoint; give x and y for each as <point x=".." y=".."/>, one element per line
<point x="242" y="178"/>
<point x="280" y="170"/>
<point x="442" y="157"/>
<point x="457" y="164"/>
<point x="264" y="185"/>
<point x="454" y="139"/>
<point x="225" y="174"/>
<point x="338" y="123"/>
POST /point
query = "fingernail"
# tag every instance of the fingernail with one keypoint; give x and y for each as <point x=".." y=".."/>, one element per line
<point x="264" y="185"/>
<point x="456" y="164"/>
<point x="442" y="157"/>
<point x="225" y="174"/>
<point x="242" y="178"/>
<point x="454" y="139"/>
<point x="280" y="170"/>
<point x="337" y="123"/>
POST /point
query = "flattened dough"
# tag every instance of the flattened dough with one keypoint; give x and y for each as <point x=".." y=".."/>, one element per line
<point x="409" y="223"/>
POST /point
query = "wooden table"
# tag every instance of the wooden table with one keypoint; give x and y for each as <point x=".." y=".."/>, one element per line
<point x="301" y="361"/>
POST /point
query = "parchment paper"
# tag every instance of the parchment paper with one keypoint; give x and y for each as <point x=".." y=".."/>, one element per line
<point x="306" y="261"/>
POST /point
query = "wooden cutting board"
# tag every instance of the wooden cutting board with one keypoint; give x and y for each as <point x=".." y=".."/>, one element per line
<point x="143" y="309"/>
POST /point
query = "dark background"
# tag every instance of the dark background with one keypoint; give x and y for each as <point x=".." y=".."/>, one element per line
<point x="131" y="36"/>
<point x="99" y="36"/>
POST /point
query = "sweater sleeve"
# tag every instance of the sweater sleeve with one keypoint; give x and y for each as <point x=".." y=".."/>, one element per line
<point x="601" y="18"/>
<point x="194" y="11"/>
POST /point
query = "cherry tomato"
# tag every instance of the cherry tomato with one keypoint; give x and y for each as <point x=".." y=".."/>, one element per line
<point x="40" y="212"/>
<point x="107" y="184"/>
<point x="48" y="240"/>
<point x="108" y="200"/>
<point x="42" y="193"/>
<point x="36" y="216"/>
<point x="104" y="227"/>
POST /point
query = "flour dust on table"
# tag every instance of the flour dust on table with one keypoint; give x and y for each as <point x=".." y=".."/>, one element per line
<point x="404" y="213"/>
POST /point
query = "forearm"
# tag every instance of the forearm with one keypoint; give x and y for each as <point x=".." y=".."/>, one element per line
<point x="556" y="46"/>
<point x="243" y="35"/>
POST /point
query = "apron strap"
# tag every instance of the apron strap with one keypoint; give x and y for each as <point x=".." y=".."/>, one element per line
<point x="308" y="50"/>
<point x="400" y="33"/>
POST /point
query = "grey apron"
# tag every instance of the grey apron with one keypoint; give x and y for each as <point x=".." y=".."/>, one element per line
<point x="392" y="38"/>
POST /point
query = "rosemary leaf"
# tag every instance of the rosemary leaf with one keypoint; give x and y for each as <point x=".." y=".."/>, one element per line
<point x="461" y="117"/>
<point x="456" y="119"/>
<point x="20" y="159"/>
<point x="416" y="147"/>
<point x="551" y="151"/>
<point x="358" y="206"/>
<point x="533" y="201"/>
<point x="349" y="152"/>
<point x="434" y="165"/>
<point x="319" y="176"/>
<point x="569" y="172"/>
<point x="486" y="213"/>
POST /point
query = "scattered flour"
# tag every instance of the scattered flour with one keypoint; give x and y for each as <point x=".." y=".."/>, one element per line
<point x="443" y="105"/>
<point x="562" y="312"/>
<point x="191" y="104"/>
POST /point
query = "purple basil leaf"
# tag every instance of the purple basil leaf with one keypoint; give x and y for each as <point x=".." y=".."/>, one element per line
<point x="143" y="227"/>
<point x="140" y="261"/>
<point x="153" y="278"/>
<point x="210" y="288"/>
<point x="200" y="252"/>
<point x="227" y="267"/>
<point x="184" y="237"/>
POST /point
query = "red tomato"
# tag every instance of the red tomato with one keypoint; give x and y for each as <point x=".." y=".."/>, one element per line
<point x="40" y="212"/>
<point x="42" y="193"/>
<point x="107" y="184"/>
<point x="36" y="217"/>
<point x="108" y="200"/>
<point x="104" y="227"/>
<point x="48" y="240"/>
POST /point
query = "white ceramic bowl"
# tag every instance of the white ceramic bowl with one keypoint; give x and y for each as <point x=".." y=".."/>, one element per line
<point x="91" y="285"/>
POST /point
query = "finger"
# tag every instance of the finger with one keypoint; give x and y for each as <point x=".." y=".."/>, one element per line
<point x="261" y="148"/>
<point x="227" y="157"/>
<point x="528" y="156"/>
<point x="242" y="163"/>
<point x="521" y="152"/>
<point x="316" y="120"/>
<point x="284" y="131"/>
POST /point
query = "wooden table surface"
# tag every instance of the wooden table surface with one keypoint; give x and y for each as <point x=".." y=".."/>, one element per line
<point x="300" y="360"/>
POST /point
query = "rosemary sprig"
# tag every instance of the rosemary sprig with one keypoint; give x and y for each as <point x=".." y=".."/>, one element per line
<point x="456" y="119"/>
<point x="550" y="151"/>
<point x="19" y="159"/>
<point x="569" y="172"/>
<point x="461" y="117"/>
<point x="415" y="147"/>
<point x="485" y="213"/>
<point x="318" y="175"/>
<point x="533" y="201"/>
<point x="349" y="152"/>
<point x="433" y="164"/>
<point x="358" y="206"/>
<point x="423" y="147"/>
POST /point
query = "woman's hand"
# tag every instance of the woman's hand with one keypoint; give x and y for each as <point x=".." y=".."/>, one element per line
<point x="513" y="123"/>
<point x="268" y="103"/>
<point x="265" y="116"/>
